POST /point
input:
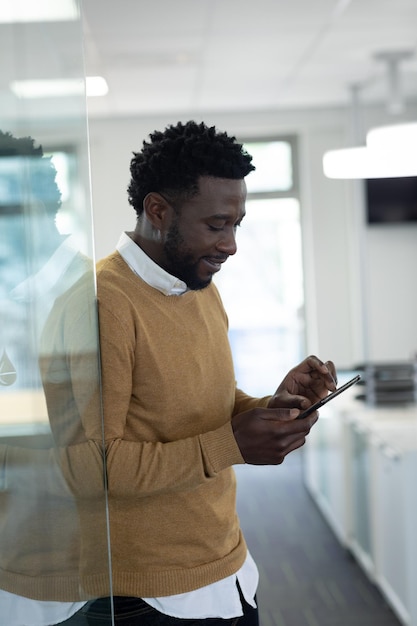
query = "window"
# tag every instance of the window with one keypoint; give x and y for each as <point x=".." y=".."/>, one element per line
<point x="33" y="261"/>
<point x="262" y="285"/>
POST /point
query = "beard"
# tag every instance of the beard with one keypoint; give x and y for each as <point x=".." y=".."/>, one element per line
<point x="180" y="261"/>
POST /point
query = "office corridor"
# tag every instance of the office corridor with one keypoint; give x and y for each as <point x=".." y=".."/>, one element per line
<point x="306" y="577"/>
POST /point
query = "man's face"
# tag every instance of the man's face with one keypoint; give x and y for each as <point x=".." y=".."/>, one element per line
<point x="203" y="235"/>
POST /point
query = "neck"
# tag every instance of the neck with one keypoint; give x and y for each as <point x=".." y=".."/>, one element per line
<point x="148" y="239"/>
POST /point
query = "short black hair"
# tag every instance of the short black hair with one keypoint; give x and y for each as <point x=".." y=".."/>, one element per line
<point x="36" y="178"/>
<point x="173" y="161"/>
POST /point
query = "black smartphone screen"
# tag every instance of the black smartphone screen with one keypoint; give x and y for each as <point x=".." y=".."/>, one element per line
<point x="329" y="397"/>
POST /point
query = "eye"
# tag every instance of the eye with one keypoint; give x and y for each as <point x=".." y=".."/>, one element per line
<point x="215" y="229"/>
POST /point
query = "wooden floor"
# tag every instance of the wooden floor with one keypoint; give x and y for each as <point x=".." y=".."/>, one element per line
<point x="306" y="577"/>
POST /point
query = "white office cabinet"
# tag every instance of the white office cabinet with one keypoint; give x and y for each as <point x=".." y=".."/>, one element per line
<point x="410" y="525"/>
<point x="361" y="469"/>
<point x="326" y="471"/>
<point x="388" y="530"/>
<point x="394" y="505"/>
<point x="360" y="488"/>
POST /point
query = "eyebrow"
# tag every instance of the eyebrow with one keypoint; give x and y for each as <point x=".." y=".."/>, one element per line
<point x="224" y="217"/>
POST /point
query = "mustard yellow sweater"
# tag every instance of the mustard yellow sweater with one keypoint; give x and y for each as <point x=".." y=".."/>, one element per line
<point x="169" y="394"/>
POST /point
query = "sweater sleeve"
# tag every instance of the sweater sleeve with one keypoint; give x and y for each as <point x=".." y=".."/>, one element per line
<point x="140" y="469"/>
<point x="243" y="402"/>
<point x="69" y="365"/>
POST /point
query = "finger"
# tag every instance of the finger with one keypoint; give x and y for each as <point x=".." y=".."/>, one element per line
<point x="315" y="363"/>
<point x="288" y="420"/>
<point x="289" y="401"/>
<point x="328" y="369"/>
<point x="332" y="370"/>
<point x="281" y="415"/>
<point x="298" y="443"/>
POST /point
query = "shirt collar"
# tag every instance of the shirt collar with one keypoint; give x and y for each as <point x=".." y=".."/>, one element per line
<point x="149" y="271"/>
<point x="41" y="283"/>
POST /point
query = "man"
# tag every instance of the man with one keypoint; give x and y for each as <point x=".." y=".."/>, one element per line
<point x="174" y="421"/>
<point x="39" y="538"/>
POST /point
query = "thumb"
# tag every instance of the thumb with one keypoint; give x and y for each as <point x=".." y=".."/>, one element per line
<point x="289" y="400"/>
<point x="281" y="415"/>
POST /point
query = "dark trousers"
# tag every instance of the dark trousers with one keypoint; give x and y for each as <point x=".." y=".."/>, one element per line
<point x="135" y="612"/>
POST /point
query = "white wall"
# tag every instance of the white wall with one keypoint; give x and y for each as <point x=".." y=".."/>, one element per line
<point x="392" y="291"/>
<point x="343" y="259"/>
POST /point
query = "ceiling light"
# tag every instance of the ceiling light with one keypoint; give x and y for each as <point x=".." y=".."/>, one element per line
<point x="57" y="88"/>
<point x="394" y="137"/>
<point x="31" y="89"/>
<point x="38" y="11"/>
<point x="365" y="162"/>
<point x="96" y="86"/>
<point x="390" y="151"/>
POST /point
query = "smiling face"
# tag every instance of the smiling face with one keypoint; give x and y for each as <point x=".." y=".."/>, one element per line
<point x="202" y="235"/>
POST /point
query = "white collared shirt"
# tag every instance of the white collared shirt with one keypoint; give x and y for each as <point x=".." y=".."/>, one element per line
<point x="42" y="289"/>
<point x="148" y="270"/>
<point x="43" y="282"/>
<point x="220" y="599"/>
<point x="21" y="611"/>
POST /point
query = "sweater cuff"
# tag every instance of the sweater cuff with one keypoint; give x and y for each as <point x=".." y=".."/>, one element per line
<point x="220" y="449"/>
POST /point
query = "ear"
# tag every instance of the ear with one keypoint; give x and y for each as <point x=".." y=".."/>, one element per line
<point x="157" y="210"/>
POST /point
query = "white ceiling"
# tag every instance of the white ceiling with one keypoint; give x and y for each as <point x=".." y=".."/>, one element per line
<point x="194" y="56"/>
<point x="200" y="56"/>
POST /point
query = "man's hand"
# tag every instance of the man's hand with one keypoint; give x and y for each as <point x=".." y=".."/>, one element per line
<point x="305" y="384"/>
<point x="266" y="436"/>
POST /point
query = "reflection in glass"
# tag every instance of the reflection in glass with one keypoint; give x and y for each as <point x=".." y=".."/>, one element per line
<point x="7" y="370"/>
<point x="36" y="262"/>
<point x="46" y="264"/>
<point x="42" y="272"/>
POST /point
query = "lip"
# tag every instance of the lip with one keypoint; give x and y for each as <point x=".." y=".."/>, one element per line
<point x="213" y="264"/>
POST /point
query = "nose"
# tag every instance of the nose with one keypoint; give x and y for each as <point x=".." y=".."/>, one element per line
<point x="227" y="242"/>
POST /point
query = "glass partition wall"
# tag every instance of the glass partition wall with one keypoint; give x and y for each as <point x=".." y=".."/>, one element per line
<point x="53" y="531"/>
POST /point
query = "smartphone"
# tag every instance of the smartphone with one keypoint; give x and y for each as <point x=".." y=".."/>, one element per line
<point x="329" y="397"/>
